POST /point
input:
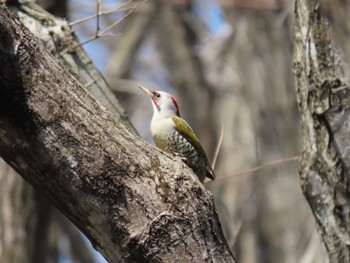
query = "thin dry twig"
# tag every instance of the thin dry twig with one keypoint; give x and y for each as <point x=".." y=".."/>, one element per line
<point x="117" y="9"/>
<point x="98" y="16"/>
<point x="218" y="146"/>
<point x="248" y="171"/>
<point x="105" y="33"/>
<point x="122" y="18"/>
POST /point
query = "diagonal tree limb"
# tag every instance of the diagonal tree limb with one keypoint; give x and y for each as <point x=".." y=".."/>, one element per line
<point x="133" y="203"/>
<point x="58" y="37"/>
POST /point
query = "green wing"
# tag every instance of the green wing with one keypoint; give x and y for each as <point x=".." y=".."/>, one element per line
<point x="185" y="130"/>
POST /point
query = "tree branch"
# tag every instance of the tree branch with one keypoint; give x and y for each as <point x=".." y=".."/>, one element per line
<point x="58" y="38"/>
<point x="134" y="203"/>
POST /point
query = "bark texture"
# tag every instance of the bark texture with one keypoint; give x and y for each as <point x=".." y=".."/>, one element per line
<point x="60" y="40"/>
<point x="134" y="203"/>
<point x="324" y="102"/>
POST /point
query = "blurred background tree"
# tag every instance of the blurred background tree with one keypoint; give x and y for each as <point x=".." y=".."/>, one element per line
<point x="227" y="62"/>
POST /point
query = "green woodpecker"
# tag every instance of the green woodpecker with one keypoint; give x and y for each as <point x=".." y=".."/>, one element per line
<point x="173" y="134"/>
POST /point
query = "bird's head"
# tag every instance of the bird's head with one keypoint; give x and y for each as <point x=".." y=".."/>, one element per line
<point x="164" y="104"/>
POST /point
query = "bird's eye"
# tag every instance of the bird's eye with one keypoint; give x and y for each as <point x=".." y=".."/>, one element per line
<point x="157" y="95"/>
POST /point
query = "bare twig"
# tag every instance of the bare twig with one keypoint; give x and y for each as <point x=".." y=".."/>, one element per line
<point x="104" y="33"/>
<point x="218" y="146"/>
<point x="123" y="18"/>
<point x="98" y="16"/>
<point x="120" y="8"/>
<point x="257" y="168"/>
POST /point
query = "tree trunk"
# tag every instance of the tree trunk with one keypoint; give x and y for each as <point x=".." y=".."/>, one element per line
<point x="134" y="203"/>
<point x="323" y="95"/>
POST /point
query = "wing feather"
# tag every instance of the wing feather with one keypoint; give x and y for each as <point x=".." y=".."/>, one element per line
<point x="185" y="130"/>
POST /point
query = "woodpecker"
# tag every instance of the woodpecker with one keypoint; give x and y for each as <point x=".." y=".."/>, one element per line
<point x="173" y="134"/>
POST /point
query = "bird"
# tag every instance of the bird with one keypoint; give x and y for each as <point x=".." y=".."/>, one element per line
<point x="174" y="135"/>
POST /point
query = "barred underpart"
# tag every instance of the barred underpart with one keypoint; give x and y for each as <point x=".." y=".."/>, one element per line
<point x="179" y="145"/>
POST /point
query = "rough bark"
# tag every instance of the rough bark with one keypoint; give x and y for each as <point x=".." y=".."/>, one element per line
<point x="25" y="218"/>
<point x="60" y="40"/>
<point x="323" y="96"/>
<point x="134" y="203"/>
<point x="43" y="227"/>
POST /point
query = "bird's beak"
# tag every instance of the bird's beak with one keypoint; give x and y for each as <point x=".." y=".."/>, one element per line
<point x="148" y="93"/>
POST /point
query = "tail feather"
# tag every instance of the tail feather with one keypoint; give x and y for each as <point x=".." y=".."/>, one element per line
<point x="210" y="173"/>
